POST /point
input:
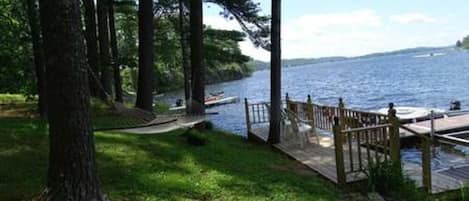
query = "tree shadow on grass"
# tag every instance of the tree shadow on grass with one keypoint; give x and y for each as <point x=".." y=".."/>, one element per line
<point x="141" y="167"/>
<point x="23" y="158"/>
<point x="226" y="168"/>
<point x="160" y="167"/>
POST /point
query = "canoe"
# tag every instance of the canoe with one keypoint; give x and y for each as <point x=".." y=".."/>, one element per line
<point x="212" y="102"/>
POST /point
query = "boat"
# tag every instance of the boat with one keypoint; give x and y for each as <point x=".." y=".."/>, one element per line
<point x="210" y="101"/>
<point x="405" y="113"/>
<point x="430" y="55"/>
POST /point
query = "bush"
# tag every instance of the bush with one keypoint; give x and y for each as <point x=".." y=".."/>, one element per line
<point x="465" y="193"/>
<point x="195" y="137"/>
<point x="12" y="98"/>
<point x="209" y="125"/>
<point x="387" y="179"/>
<point x="160" y="107"/>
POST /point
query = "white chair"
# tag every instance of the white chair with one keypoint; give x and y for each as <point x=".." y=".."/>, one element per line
<point x="300" y="128"/>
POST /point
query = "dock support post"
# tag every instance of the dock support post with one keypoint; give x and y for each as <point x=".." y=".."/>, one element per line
<point x="248" y="122"/>
<point x="394" y="137"/>
<point x="341" y="113"/>
<point x="426" y="164"/>
<point x="339" y="152"/>
<point x="310" y="112"/>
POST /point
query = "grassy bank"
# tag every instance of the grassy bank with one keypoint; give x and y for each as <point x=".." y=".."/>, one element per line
<point x="161" y="167"/>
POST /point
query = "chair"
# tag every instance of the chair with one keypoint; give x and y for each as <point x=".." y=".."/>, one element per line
<point x="290" y="123"/>
<point x="301" y="128"/>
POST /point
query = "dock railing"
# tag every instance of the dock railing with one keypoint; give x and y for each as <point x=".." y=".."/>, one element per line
<point x="364" y="143"/>
<point x="256" y="113"/>
<point x="360" y="137"/>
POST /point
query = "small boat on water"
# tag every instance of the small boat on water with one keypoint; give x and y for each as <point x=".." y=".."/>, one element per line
<point x="412" y="113"/>
<point x="213" y="99"/>
<point x="430" y="55"/>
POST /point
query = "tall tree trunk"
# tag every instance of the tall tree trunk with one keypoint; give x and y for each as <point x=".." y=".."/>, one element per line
<point x="275" y="74"/>
<point x="115" y="54"/>
<point x="104" y="49"/>
<point x="197" y="65"/>
<point x="38" y="56"/>
<point x="72" y="167"/>
<point x="92" y="46"/>
<point x="185" y="59"/>
<point x="145" y="55"/>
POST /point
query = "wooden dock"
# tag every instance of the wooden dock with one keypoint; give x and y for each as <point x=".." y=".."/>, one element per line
<point x="441" y="125"/>
<point x="360" y="138"/>
<point x="321" y="158"/>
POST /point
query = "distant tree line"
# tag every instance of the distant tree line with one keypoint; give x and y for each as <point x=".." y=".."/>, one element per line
<point x="464" y="43"/>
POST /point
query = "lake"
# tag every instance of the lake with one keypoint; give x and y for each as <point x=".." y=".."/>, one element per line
<point x="413" y="79"/>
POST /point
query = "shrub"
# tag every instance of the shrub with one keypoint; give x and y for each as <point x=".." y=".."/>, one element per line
<point x="160" y="107"/>
<point x="209" y="125"/>
<point x="465" y="192"/>
<point x="384" y="177"/>
<point x="387" y="179"/>
<point x="12" y="98"/>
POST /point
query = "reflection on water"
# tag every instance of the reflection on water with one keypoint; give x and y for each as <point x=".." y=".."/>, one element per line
<point x="364" y="83"/>
<point x="442" y="159"/>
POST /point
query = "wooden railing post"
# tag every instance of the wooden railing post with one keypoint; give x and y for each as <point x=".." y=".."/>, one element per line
<point x="309" y="107"/>
<point x="341" y="114"/>
<point x="426" y="164"/>
<point x="394" y="137"/>
<point x="248" y="122"/>
<point x="339" y="152"/>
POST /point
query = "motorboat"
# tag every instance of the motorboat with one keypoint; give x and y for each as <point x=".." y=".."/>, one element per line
<point x="213" y="99"/>
<point x="406" y="113"/>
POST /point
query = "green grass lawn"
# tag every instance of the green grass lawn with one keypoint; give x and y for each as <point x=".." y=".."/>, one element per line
<point x="162" y="167"/>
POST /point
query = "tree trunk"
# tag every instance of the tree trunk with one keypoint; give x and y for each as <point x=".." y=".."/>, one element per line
<point x="115" y="54"/>
<point x="185" y="60"/>
<point x="145" y="55"/>
<point x="38" y="56"/>
<point x="103" y="30"/>
<point x="197" y="65"/>
<point x="275" y="74"/>
<point x="72" y="167"/>
<point x="92" y="46"/>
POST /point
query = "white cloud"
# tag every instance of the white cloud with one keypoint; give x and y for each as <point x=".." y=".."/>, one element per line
<point x="352" y="33"/>
<point x="319" y="25"/>
<point x="412" y="18"/>
<point x="306" y="35"/>
<point x="218" y="22"/>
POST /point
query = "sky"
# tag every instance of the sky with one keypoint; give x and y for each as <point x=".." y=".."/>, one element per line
<point x="322" y="28"/>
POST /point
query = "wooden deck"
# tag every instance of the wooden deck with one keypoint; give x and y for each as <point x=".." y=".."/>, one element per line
<point x="321" y="158"/>
<point x="441" y="125"/>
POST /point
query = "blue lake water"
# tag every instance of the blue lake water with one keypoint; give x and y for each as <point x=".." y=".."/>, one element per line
<point x="364" y="84"/>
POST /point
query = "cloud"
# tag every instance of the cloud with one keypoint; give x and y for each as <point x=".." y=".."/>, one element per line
<point x="412" y="18"/>
<point x="320" y="24"/>
<point x="218" y="22"/>
<point x="352" y="33"/>
<point x="302" y="36"/>
<point x="363" y="17"/>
